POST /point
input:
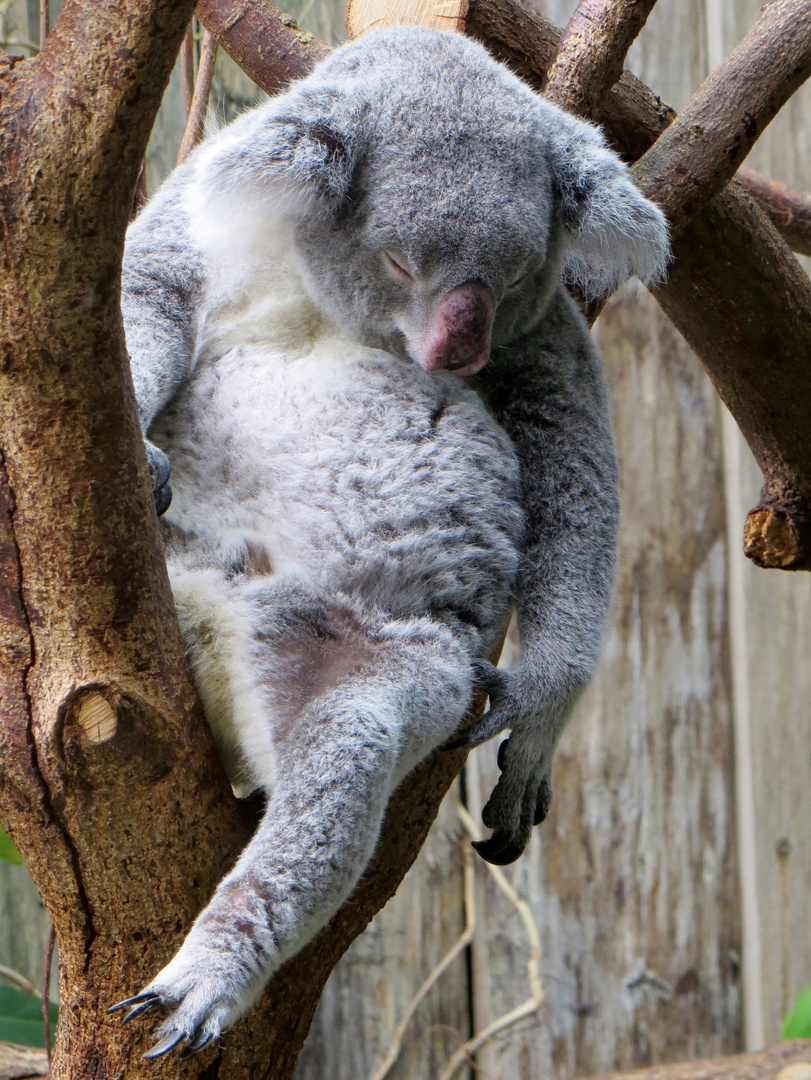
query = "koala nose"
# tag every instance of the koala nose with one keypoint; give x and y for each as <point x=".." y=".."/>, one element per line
<point x="459" y="337"/>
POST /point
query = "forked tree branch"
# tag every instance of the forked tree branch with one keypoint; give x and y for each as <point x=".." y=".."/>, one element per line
<point x="734" y="290"/>
<point x="196" y="116"/>
<point x="701" y="150"/>
<point x="591" y="53"/>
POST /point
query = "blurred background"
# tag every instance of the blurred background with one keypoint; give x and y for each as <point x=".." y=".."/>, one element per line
<point x="669" y="887"/>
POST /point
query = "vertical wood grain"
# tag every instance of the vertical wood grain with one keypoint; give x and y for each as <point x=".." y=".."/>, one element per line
<point x="632" y="878"/>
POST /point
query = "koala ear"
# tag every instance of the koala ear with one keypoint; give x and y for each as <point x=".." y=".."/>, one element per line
<point x="612" y="231"/>
<point x="317" y="157"/>
<point x="305" y="152"/>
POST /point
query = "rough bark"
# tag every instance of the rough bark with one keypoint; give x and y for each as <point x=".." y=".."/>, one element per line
<point x="734" y="290"/>
<point x="268" y="45"/>
<point x="701" y="150"/>
<point x="110" y="784"/>
<point x="591" y="53"/>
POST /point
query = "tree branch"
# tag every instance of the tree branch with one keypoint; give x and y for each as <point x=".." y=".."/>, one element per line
<point x="591" y="53"/>
<point x="195" y="119"/>
<point x="268" y="45"/>
<point x="701" y="150"/>
<point x="734" y="290"/>
<point x="187" y="68"/>
<point x="788" y="210"/>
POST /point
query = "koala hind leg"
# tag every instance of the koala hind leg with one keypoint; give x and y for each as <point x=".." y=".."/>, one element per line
<point x="338" y="761"/>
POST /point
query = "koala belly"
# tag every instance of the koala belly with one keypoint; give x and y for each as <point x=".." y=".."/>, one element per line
<point x="333" y="496"/>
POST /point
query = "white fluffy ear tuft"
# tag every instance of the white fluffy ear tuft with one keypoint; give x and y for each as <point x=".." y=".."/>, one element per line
<point x="613" y="231"/>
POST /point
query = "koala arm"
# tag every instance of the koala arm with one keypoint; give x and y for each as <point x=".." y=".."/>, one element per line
<point x="547" y="391"/>
<point x="162" y="278"/>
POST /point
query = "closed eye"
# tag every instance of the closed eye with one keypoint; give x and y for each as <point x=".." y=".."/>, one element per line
<point x="396" y="268"/>
<point x="514" y="284"/>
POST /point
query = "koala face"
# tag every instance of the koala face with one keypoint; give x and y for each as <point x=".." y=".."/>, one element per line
<point x="436" y="199"/>
<point x="440" y="249"/>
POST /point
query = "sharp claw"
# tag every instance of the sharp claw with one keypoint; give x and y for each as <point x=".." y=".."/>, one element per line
<point x="199" y="1044"/>
<point x="145" y="995"/>
<point x="163" y="499"/>
<point x="499" y="849"/>
<point x="143" y="1009"/>
<point x="165" y="1045"/>
<point x="502" y="751"/>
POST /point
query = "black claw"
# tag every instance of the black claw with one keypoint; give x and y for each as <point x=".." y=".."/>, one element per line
<point x="163" y="499"/>
<point x="200" y="1043"/>
<point x="144" y="996"/>
<point x="165" y="1045"/>
<point x="502" y="751"/>
<point x="144" y="1009"/>
<point x="499" y="850"/>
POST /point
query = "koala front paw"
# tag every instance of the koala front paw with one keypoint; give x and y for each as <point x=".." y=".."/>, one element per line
<point x="159" y="471"/>
<point x="201" y="1000"/>
<point x="518" y="801"/>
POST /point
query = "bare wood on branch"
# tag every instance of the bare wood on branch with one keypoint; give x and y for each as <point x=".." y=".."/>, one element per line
<point x="734" y="291"/>
<point x="701" y="150"/>
<point x="591" y="53"/>
<point x="196" y="117"/>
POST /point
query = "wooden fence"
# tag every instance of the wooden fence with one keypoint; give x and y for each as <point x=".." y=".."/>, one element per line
<point x="669" y="886"/>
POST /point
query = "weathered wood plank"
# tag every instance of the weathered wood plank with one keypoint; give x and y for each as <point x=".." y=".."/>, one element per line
<point x="774" y="639"/>
<point x="632" y="878"/>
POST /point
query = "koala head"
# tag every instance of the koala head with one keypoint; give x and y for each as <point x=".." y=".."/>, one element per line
<point x="436" y="201"/>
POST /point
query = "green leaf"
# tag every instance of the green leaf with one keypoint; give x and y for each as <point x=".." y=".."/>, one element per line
<point x="797" y="1024"/>
<point x="21" y="1018"/>
<point x="8" y="852"/>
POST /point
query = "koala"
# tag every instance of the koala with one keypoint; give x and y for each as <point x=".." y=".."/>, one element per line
<point x="387" y="425"/>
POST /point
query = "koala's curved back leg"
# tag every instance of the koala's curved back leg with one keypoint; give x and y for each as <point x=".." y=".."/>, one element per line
<point x="338" y="761"/>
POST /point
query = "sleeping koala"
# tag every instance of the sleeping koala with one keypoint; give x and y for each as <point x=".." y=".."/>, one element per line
<point x="386" y="425"/>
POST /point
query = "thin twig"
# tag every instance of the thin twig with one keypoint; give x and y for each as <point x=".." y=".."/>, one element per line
<point x="46" y="989"/>
<point x="591" y="53"/>
<point x="463" y="1054"/>
<point x="461" y="944"/>
<point x="202" y="90"/>
<point x="16" y="979"/>
<point x="139" y="198"/>
<point x="44" y="22"/>
<point x="700" y="152"/>
<point x="187" y="68"/>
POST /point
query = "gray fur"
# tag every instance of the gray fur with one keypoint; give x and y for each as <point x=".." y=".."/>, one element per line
<point x="349" y="530"/>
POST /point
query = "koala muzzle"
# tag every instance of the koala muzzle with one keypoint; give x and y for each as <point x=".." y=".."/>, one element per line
<point x="459" y="338"/>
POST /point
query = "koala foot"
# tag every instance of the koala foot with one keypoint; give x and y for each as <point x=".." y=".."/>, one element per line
<point x="511" y="814"/>
<point x="203" y="1005"/>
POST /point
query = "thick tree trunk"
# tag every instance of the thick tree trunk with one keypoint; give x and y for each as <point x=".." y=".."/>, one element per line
<point x="110" y="785"/>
